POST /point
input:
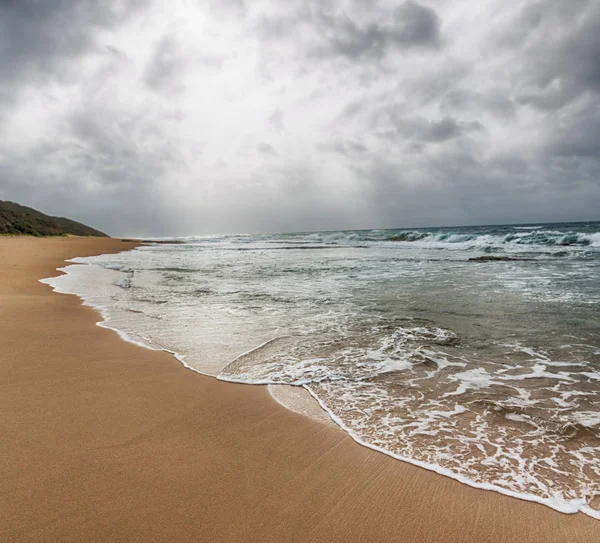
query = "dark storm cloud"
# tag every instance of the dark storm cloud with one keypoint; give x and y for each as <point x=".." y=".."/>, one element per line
<point x="578" y="135"/>
<point x="552" y="61"/>
<point x="561" y="45"/>
<point x="112" y="148"/>
<point x="560" y="79"/>
<point x="496" y="102"/>
<point x="431" y="131"/>
<point x="394" y="123"/>
<point x="409" y="25"/>
<point x="42" y="39"/>
<point x="347" y="33"/>
<point x="464" y="188"/>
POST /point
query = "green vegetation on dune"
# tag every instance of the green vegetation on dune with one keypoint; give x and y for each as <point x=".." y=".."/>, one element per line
<point x="16" y="219"/>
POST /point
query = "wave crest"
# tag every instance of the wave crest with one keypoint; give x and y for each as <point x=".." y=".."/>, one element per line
<point x="488" y="241"/>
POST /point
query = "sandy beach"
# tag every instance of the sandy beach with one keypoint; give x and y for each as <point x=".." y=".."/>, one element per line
<point x="102" y="440"/>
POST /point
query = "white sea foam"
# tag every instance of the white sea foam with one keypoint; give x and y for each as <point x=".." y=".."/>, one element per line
<point x="556" y="502"/>
<point x="468" y="396"/>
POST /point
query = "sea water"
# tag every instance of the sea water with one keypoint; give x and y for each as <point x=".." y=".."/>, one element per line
<point x="483" y="369"/>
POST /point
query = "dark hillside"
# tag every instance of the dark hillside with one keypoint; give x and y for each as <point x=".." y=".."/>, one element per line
<point x="17" y="219"/>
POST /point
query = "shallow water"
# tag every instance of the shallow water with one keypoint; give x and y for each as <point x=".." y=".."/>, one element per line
<point x="486" y="371"/>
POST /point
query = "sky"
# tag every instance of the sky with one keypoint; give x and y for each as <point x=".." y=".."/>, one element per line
<point x="183" y="117"/>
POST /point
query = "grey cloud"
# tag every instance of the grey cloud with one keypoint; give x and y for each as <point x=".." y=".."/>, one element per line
<point x="344" y="147"/>
<point x="436" y="83"/>
<point x="228" y="8"/>
<point x="409" y="25"/>
<point x="161" y="73"/>
<point x="40" y="40"/>
<point x="423" y="130"/>
<point x="125" y="209"/>
<point x="440" y="130"/>
<point x="511" y="165"/>
<point x="86" y="164"/>
<point x="464" y="188"/>
<point x="113" y="149"/>
<point x="104" y="166"/>
<point x="562" y="53"/>
<point x="346" y="33"/>
<point x="578" y="135"/>
<point x="211" y="61"/>
<point x="557" y="74"/>
<point x="495" y="102"/>
<point x="169" y="62"/>
<point x="353" y="108"/>
<point x="266" y="149"/>
<point x="276" y="121"/>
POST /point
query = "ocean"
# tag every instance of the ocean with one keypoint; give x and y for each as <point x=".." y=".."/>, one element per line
<point x="470" y="351"/>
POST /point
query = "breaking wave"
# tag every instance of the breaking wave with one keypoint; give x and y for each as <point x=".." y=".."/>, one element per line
<point x="528" y="237"/>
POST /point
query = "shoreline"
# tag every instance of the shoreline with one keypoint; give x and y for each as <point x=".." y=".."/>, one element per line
<point x="167" y="452"/>
<point x="302" y="399"/>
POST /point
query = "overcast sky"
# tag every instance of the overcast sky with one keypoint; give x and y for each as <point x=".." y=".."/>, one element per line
<point x="182" y="117"/>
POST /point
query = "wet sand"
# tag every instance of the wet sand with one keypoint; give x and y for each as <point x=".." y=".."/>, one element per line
<point x="101" y="440"/>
